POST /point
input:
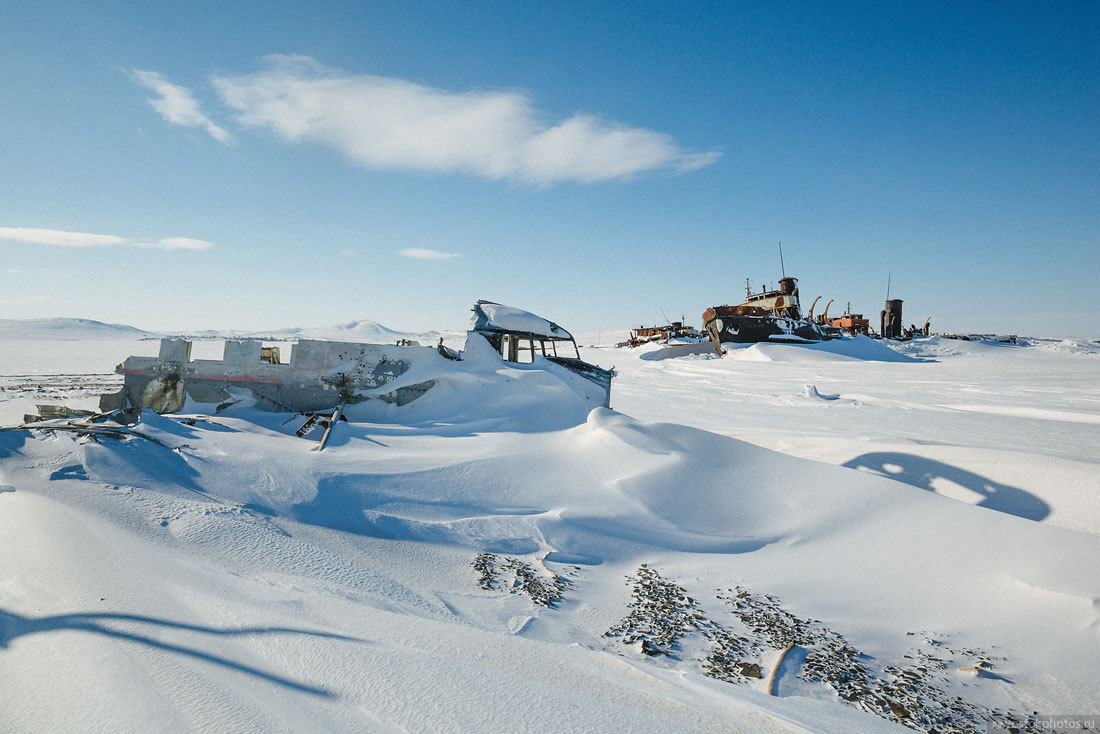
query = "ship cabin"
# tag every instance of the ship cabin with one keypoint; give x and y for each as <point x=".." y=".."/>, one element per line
<point x="520" y="336"/>
<point x="782" y="302"/>
<point x="852" y="323"/>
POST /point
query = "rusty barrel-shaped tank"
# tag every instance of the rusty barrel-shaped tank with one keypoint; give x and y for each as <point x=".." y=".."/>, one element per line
<point x="892" y="327"/>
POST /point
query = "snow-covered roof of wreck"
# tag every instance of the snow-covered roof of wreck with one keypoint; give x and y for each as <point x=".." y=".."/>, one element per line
<point x="489" y="316"/>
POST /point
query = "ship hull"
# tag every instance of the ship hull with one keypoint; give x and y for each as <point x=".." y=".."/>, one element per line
<point x="725" y="326"/>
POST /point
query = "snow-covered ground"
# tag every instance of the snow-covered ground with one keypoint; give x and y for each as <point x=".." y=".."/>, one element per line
<point x="884" y="516"/>
<point x="1011" y="427"/>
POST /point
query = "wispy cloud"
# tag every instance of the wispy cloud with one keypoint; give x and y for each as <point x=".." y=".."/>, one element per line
<point x="177" y="105"/>
<point x="61" y="238"/>
<point x="417" y="253"/>
<point x="177" y="243"/>
<point x="383" y="122"/>
<point x="58" y="237"/>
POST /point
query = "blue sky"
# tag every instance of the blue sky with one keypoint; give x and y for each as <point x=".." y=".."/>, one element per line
<point x="269" y="164"/>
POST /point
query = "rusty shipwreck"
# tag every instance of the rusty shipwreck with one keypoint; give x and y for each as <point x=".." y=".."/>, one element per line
<point x="767" y="316"/>
<point x="674" y="330"/>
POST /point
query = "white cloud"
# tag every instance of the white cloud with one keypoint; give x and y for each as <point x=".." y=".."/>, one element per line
<point x="179" y="243"/>
<point x="58" y="237"/>
<point x="61" y="238"/>
<point x="417" y="253"/>
<point x="382" y="122"/>
<point x="177" y="105"/>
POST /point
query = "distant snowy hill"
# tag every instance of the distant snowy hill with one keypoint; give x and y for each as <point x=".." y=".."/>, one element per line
<point x="61" y="329"/>
<point x="362" y="330"/>
<point x="64" y="329"/>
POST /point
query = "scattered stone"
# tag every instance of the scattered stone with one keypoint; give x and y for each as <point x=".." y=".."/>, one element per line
<point x="913" y="694"/>
<point x="751" y="670"/>
<point x="542" y="590"/>
<point x="485" y="565"/>
<point x="660" y="613"/>
<point x="524" y="579"/>
<point x="728" y="654"/>
<point x="897" y="709"/>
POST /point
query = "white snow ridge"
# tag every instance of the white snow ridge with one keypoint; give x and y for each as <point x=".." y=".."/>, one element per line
<point x="847" y="538"/>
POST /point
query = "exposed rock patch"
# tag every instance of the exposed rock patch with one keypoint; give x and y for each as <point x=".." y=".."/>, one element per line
<point x="915" y="693"/>
<point x="519" y="577"/>
<point x="661" y="613"/>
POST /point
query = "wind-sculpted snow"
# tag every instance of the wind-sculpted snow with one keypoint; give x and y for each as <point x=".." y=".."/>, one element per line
<point x="859" y="348"/>
<point x="983" y="415"/>
<point x="457" y="567"/>
<point x="1088" y="347"/>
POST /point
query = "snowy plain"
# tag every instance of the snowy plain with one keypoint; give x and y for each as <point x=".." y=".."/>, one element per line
<point x="934" y="500"/>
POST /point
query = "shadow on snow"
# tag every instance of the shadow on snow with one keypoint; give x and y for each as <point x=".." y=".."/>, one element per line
<point x="13" y="626"/>
<point x="918" y="471"/>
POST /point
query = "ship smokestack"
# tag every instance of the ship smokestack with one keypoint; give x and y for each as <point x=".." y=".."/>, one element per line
<point x="893" y="327"/>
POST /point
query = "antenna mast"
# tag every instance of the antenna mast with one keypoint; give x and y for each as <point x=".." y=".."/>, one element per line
<point x="782" y="268"/>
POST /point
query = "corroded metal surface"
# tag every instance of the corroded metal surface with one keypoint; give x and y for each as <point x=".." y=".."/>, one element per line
<point x="765" y="316"/>
<point x="662" y="332"/>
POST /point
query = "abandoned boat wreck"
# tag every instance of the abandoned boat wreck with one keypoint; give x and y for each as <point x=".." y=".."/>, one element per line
<point x="326" y="375"/>
<point x="662" y="333"/>
<point x="508" y="329"/>
<point x="770" y="315"/>
<point x="848" y="322"/>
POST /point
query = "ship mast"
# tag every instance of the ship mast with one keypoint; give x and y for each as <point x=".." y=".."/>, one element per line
<point x="782" y="268"/>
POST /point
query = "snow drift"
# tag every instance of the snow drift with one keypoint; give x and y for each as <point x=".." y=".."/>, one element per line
<point x="225" y="576"/>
